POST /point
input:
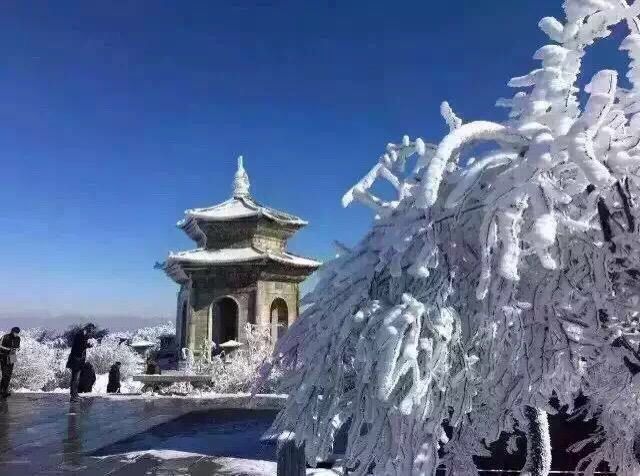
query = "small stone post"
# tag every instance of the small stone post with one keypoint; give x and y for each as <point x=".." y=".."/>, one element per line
<point x="291" y="459"/>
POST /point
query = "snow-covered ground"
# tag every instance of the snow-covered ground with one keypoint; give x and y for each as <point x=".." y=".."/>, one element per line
<point x="128" y="386"/>
<point x="246" y="467"/>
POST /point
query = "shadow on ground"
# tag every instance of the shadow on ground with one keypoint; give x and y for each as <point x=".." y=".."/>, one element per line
<point x="219" y="433"/>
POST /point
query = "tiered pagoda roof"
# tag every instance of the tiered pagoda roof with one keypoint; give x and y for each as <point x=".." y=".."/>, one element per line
<point x="199" y="258"/>
<point x="239" y="208"/>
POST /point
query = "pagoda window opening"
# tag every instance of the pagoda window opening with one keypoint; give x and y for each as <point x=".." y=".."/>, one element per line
<point x="227" y="319"/>
<point x="279" y="318"/>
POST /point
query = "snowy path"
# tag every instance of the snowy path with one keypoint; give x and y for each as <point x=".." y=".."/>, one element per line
<point x="168" y="462"/>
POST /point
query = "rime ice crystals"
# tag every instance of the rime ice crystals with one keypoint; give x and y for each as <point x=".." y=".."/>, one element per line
<point x="483" y="290"/>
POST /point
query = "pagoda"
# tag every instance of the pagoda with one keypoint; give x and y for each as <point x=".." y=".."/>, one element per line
<point x="241" y="272"/>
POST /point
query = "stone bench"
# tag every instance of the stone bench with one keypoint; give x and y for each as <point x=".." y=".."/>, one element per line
<point x="172" y="378"/>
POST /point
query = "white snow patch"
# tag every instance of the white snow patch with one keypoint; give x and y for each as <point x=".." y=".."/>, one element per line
<point x="236" y="255"/>
<point x="99" y="388"/>
<point x="240" y="465"/>
<point x="159" y="454"/>
<point x="248" y="466"/>
<point x="228" y="210"/>
<point x="238" y="207"/>
<point x="126" y="385"/>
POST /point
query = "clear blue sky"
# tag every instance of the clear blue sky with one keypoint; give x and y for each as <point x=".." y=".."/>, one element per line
<point x="117" y="116"/>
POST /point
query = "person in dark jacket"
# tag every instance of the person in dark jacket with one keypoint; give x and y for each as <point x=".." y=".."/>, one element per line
<point x="9" y="345"/>
<point x="87" y="378"/>
<point x="114" y="379"/>
<point x="78" y="356"/>
<point x="152" y="367"/>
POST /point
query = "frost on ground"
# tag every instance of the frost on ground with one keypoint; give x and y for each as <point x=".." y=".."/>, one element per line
<point x="246" y="467"/>
<point x="128" y="386"/>
<point x="504" y="272"/>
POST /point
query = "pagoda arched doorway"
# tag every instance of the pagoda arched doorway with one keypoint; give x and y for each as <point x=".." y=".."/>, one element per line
<point x="226" y="319"/>
<point x="279" y="318"/>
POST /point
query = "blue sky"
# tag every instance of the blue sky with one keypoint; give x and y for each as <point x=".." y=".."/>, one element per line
<point x="117" y="116"/>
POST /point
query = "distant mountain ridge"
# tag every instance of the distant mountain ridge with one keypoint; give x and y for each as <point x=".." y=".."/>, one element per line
<point x="116" y="322"/>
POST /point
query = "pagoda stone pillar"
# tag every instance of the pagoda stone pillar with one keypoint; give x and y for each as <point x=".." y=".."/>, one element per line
<point x="191" y="341"/>
<point x="259" y="305"/>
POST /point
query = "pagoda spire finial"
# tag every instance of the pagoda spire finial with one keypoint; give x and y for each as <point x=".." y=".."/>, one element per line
<point x="241" y="181"/>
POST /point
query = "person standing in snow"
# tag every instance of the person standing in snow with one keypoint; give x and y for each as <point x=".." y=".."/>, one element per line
<point x="87" y="378"/>
<point x="114" y="379"/>
<point x="152" y="367"/>
<point x="78" y="356"/>
<point x="8" y="347"/>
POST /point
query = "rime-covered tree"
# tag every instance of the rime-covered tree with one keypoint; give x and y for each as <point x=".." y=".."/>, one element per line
<point x="504" y="273"/>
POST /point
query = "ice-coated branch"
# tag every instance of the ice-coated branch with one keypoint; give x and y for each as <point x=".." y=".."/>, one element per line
<point x="450" y="117"/>
<point x="479" y="130"/>
<point x="504" y="271"/>
<point x="391" y="167"/>
<point x="538" y="462"/>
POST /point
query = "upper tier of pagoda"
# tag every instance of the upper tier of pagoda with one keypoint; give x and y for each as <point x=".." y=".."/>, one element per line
<point x="237" y="231"/>
<point x="240" y="206"/>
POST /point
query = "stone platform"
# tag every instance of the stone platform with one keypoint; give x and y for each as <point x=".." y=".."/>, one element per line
<point x="124" y="435"/>
<point x="42" y="434"/>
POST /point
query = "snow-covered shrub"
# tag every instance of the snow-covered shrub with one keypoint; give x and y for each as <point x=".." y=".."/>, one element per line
<point x="241" y="368"/>
<point x="238" y="371"/>
<point x="498" y="277"/>
<point x="62" y="375"/>
<point x="110" y="350"/>
<point x="153" y="333"/>
<point x="36" y="364"/>
<point x="175" y="388"/>
<point x="41" y="362"/>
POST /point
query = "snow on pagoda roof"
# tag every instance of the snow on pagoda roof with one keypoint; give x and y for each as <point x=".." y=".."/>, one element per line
<point x="240" y="206"/>
<point x="175" y="262"/>
<point x="239" y="255"/>
<point x="222" y="256"/>
<point x="236" y="208"/>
